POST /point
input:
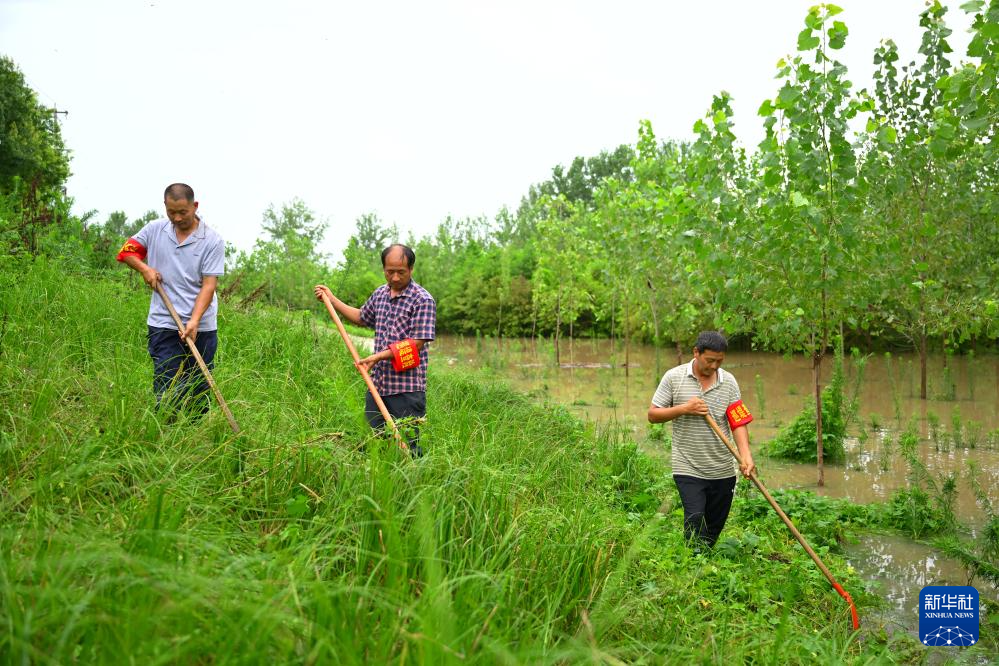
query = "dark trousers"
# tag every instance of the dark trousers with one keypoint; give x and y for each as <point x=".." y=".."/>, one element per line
<point x="177" y="379"/>
<point x="706" y="503"/>
<point x="399" y="405"/>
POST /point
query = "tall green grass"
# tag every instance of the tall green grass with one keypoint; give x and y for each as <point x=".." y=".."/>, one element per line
<point x="523" y="536"/>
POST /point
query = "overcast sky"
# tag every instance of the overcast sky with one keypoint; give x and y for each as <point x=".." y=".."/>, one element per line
<point x="411" y="110"/>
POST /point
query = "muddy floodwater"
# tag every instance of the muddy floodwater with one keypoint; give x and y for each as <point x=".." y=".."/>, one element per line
<point x="958" y="425"/>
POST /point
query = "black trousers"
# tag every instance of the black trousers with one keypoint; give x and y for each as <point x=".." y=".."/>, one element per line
<point x="399" y="405"/>
<point x="177" y="380"/>
<point x="706" y="503"/>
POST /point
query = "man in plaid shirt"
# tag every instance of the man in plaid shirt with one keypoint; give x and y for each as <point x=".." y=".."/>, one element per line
<point x="402" y="313"/>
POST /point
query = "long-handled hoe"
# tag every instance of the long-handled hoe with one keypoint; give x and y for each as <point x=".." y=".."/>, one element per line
<point x="364" y="373"/>
<point x="197" y="357"/>
<point x="787" y="521"/>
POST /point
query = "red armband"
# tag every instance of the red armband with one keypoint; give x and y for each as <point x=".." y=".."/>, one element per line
<point x="738" y="415"/>
<point x="405" y="355"/>
<point x="131" y="248"/>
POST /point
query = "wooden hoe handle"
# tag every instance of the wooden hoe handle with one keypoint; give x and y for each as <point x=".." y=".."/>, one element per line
<point x="787" y="521"/>
<point x="364" y="373"/>
<point x="197" y="357"/>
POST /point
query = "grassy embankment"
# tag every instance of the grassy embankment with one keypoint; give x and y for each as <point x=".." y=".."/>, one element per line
<point x="523" y="537"/>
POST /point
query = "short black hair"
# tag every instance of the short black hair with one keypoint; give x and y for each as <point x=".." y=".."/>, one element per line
<point x="406" y="250"/>
<point x="178" y="192"/>
<point x="712" y="340"/>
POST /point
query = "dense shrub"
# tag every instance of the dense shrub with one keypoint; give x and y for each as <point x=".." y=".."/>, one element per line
<point x="798" y="440"/>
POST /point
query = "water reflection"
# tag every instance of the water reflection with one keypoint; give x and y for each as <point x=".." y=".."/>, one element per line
<point x="901" y="568"/>
<point x="897" y="569"/>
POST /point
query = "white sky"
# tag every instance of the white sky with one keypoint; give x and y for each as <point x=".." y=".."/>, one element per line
<point x="412" y="110"/>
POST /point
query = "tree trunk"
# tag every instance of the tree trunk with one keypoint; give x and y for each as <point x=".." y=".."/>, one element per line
<point x="534" y="328"/>
<point x="627" y="335"/>
<point x="571" y="355"/>
<point x="613" y="331"/>
<point x="655" y="324"/>
<point x="558" y="326"/>
<point x="499" y="324"/>
<point x="922" y="365"/>
<point x="818" y="352"/>
<point x="679" y="352"/>
<point x="816" y="369"/>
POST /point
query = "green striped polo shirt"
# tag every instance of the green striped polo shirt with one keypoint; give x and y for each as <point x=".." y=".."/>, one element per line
<point x="696" y="449"/>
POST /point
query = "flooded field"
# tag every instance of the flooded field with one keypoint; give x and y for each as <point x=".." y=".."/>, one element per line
<point x="958" y="425"/>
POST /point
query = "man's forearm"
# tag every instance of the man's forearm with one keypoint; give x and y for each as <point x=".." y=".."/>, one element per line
<point x="741" y="436"/>
<point x="135" y="263"/>
<point x="664" y="414"/>
<point x="204" y="299"/>
<point x="387" y="355"/>
<point x="351" y="314"/>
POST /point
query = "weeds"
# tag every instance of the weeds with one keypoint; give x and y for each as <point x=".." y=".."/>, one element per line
<point x="936" y="436"/>
<point x="896" y="396"/>
<point x="989" y="535"/>
<point x="980" y="557"/>
<point x="887" y="451"/>
<point x="852" y="402"/>
<point x="926" y="505"/>
<point x="956" y="428"/>
<point x="523" y="536"/>
<point x="948" y="389"/>
<point x="761" y="396"/>
<point x="798" y="440"/>
<point x="973" y="434"/>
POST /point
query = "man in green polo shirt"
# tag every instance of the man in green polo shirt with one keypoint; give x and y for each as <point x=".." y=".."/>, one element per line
<point x="703" y="467"/>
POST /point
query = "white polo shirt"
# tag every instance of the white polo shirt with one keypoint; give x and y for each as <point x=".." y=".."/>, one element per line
<point x="697" y="451"/>
<point x="182" y="265"/>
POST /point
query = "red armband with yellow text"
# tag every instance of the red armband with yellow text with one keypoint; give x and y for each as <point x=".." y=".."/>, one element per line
<point x="405" y="355"/>
<point x="738" y="415"/>
<point x="131" y="248"/>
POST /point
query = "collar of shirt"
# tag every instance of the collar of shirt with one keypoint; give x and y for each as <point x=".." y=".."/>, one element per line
<point x="721" y="374"/>
<point x="197" y="234"/>
<point x="405" y="293"/>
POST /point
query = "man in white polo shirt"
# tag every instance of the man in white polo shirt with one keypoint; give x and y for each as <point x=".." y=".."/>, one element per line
<point x="182" y="254"/>
<point x="703" y="467"/>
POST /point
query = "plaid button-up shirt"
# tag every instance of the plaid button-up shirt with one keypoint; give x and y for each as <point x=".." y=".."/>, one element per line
<point x="411" y="314"/>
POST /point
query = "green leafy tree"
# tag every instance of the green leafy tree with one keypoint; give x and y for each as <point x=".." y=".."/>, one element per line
<point x="360" y="272"/>
<point x="663" y="257"/>
<point x="809" y="239"/>
<point x="31" y="147"/>
<point x="719" y="220"/>
<point x="974" y="88"/>
<point x="579" y="182"/>
<point x="561" y="284"/>
<point x="285" y="266"/>
<point x="34" y="163"/>
<point x="106" y="238"/>
<point x="920" y="203"/>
